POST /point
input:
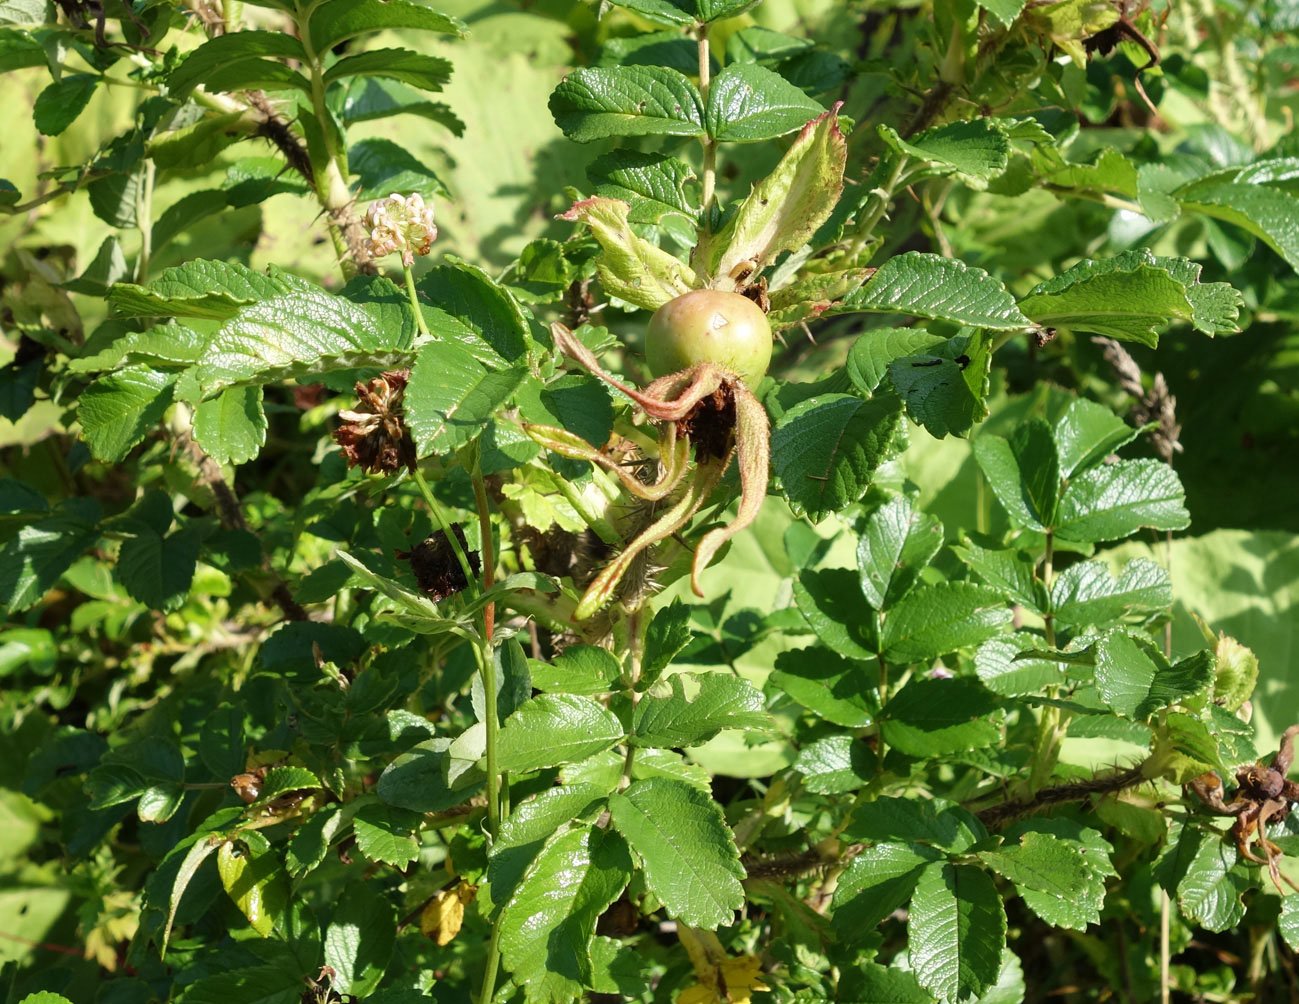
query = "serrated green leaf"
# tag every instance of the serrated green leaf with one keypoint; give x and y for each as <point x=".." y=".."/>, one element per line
<point x="1215" y="306"/>
<point x="897" y="543"/>
<point x="1086" y="433"/>
<point x="385" y="167"/>
<point x="369" y="98"/>
<point x="956" y="931"/>
<point x="976" y="149"/>
<point x="631" y="268"/>
<point x="1128" y="297"/>
<point x="419" y="779"/>
<point x="310" y="843"/>
<point x="722" y="701"/>
<point x="1004" y="11"/>
<point x="946" y="391"/>
<point x="832" y="687"/>
<point x="475" y="303"/>
<point x="452" y="396"/>
<point x="231" y="427"/>
<point x="831" y="600"/>
<point x="217" y="57"/>
<point x="785" y="209"/>
<point x="1124" y="673"/>
<point x="428" y="73"/>
<point x="1288" y="922"/>
<point x="691" y="863"/>
<point x="1107" y="171"/>
<point x="199" y="288"/>
<point x="928" y="718"/>
<point x="667" y="635"/>
<point x="117" y="411"/>
<point x="33" y="559"/>
<point x="1210" y="892"/>
<point x="547" y="925"/>
<point x="683" y="12"/>
<point x="199" y="851"/>
<point x="1087" y="594"/>
<point x="747" y="102"/>
<point x="553" y="729"/>
<point x="652" y="184"/>
<point x="869" y="358"/>
<point x="1054" y="877"/>
<point x="937" y="288"/>
<point x="59" y="104"/>
<point x="835" y="764"/>
<point x="161" y="346"/>
<point x="304" y="333"/>
<point x="1007" y="571"/>
<point x="1001" y="667"/>
<point x="597" y="102"/>
<point x="876" y="882"/>
<point x="579" y="669"/>
<point x="360" y="937"/>
<point x="530" y="825"/>
<point x="1270" y="214"/>
<point x="933" y="620"/>
<point x="573" y="401"/>
<point x="254" y="878"/>
<point x="339" y="20"/>
<point x="384" y="833"/>
<point x="825" y="450"/>
<point x="157" y="570"/>
<point x="1113" y="501"/>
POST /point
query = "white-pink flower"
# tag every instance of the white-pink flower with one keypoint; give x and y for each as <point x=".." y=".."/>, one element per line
<point x="400" y="224"/>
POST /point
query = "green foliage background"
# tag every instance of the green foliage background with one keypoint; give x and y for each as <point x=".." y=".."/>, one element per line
<point x="507" y="177"/>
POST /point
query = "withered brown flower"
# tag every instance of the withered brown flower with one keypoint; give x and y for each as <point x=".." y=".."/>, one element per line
<point x="375" y="436"/>
<point x="436" y="568"/>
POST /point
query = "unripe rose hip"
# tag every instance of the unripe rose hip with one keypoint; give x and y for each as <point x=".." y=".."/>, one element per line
<point x="710" y="326"/>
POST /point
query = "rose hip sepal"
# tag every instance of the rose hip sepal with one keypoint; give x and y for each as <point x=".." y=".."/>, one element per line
<point x="704" y="405"/>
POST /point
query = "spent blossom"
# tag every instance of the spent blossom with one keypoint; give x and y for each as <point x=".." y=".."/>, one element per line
<point x="400" y="224"/>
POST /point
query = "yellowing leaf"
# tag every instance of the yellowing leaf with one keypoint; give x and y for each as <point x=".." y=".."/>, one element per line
<point x="445" y="913"/>
<point x="722" y="979"/>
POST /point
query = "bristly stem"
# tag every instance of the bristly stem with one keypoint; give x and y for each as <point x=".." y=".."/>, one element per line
<point x="710" y="145"/>
<point x="414" y="303"/>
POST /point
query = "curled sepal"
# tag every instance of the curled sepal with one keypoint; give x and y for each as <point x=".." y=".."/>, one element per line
<point x="753" y="448"/>
<point x="674" y="455"/>
<point x="708" y="475"/>
<point x="631" y="268"/>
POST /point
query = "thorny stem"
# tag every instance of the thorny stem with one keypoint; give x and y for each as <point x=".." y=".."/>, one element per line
<point x="414" y="302"/>
<point x="710" y="145"/>
<point x="883" y="197"/>
<point x="1074" y="792"/>
<point x="637" y="625"/>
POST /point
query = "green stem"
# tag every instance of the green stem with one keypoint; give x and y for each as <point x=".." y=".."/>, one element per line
<point x="414" y="302"/>
<point x="709" y="179"/>
<point x="493" y="962"/>
<point x="1053" y="722"/>
<point x="637" y="626"/>
<point x="144" y="220"/>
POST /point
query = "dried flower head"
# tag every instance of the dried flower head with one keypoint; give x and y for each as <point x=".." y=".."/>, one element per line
<point x="436" y="567"/>
<point x="374" y="436"/>
<point x="401" y="224"/>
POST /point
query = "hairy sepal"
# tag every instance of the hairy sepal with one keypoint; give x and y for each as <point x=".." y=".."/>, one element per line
<point x="674" y="458"/>
<point x="631" y="268"/>
<point x="784" y="210"/>
<point x="753" y="448"/>
<point x="708" y="476"/>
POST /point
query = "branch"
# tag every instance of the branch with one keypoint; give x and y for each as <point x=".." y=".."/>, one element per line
<point x="1075" y="791"/>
